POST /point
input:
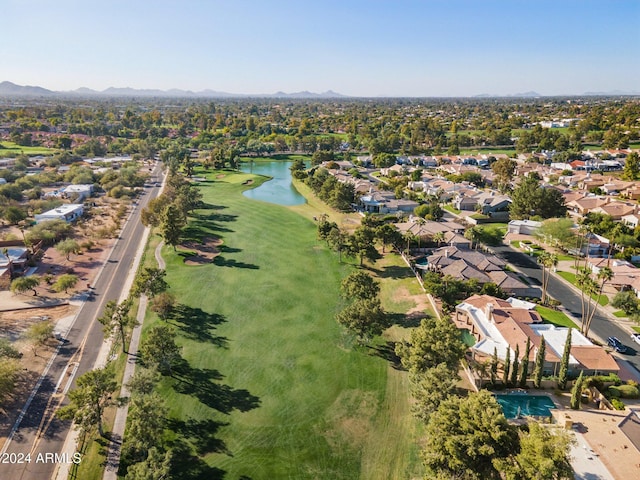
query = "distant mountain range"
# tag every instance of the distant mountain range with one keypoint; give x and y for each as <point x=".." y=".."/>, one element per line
<point x="11" y="89"/>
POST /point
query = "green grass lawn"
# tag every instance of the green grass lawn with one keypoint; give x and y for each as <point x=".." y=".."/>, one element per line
<point x="571" y="277"/>
<point x="619" y="314"/>
<point x="10" y="149"/>
<point x="555" y="317"/>
<point x="452" y="209"/>
<point x="274" y="388"/>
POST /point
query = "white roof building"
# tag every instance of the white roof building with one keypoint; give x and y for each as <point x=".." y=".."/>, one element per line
<point x="68" y="213"/>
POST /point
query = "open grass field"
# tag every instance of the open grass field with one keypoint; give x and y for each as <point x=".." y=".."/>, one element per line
<point x="10" y="149"/>
<point x="271" y="386"/>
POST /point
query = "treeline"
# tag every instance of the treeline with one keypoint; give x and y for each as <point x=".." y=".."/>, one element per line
<point x="338" y="195"/>
<point x="170" y="210"/>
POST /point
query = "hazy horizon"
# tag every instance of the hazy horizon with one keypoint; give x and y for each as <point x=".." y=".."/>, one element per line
<point x="411" y="48"/>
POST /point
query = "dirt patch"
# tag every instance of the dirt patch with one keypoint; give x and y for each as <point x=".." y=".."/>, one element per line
<point x="222" y="175"/>
<point x="421" y="302"/>
<point x="349" y="419"/>
<point x="203" y="252"/>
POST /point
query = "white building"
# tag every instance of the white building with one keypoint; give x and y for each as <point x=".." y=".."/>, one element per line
<point x="68" y="213"/>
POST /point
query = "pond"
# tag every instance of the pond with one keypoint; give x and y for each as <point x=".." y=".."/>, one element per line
<point x="279" y="190"/>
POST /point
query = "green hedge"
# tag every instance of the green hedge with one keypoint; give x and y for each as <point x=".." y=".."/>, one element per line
<point x="624" y="391"/>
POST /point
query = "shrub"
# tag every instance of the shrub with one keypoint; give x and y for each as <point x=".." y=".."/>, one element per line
<point x="617" y="404"/>
<point x="624" y="391"/>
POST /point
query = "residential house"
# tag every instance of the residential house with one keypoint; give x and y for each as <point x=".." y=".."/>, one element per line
<point x="68" y="212"/>
<point x="523" y="227"/>
<point x="584" y="205"/>
<point x="12" y="259"/>
<point x="632" y="220"/>
<point x="502" y="325"/>
<point x="616" y="210"/>
<point x="465" y="264"/>
<point x="385" y="202"/>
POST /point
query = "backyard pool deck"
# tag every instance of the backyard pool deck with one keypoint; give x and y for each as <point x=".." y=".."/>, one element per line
<point x="606" y="437"/>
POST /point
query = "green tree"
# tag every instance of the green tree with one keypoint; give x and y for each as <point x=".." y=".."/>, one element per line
<point x="628" y="302"/>
<point x="465" y="438"/>
<point x="144" y="381"/>
<point x="65" y="282"/>
<point x="22" y="284"/>
<point x="631" y="169"/>
<point x="159" y="348"/>
<point x="150" y="281"/>
<point x="494" y="366"/>
<point x="514" y="367"/>
<point x="157" y="466"/>
<point x="14" y="215"/>
<point x="524" y="366"/>
<point x="171" y="226"/>
<point x="90" y="398"/>
<point x="116" y="318"/>
<point x="576" y="393"/>
<point x="163" y="304"/>
<point x="548" y="261"/>
<point x="543" y="454"/>
<point x="538" y="368"/>
<point x="563" y="376"/>
<point x="431" y="388"/>
<point x="365" y="317"/>
<point x="530" y="199"/>
<point x="504" y="170"/>
<point x="359" y="285"/>
<point x="144" y="430"/>
<point x="39" y="334"/>
<point x="434" y="342"/>
<point x="558" y="232"/>
<point x="152" y="215"/>
<point x="506" y="366"/>
<point x="388" y="235"/>
<point x="362" y="244"/>
<point x="67" y="247"/>
<point x="9" y="371"/>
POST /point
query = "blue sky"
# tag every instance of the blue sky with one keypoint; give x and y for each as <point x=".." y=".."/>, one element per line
<point x="354" y="47"/>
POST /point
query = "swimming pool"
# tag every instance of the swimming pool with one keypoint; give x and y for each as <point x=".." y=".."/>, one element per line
<point x="514" y="405"/>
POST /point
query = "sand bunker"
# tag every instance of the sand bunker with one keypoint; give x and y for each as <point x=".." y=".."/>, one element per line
<point x="203" y="252"/>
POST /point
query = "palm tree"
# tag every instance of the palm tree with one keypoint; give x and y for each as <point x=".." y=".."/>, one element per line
<point x="604" y="275"/>
<point x="548" y="261"/>
<point x="472" y="234"/>
<point x="438" y="237"/>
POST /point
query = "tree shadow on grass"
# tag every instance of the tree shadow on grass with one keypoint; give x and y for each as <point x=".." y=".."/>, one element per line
<point x="388" y="352"/>
<point x="196" y="324"/>
<point x="186" y="466"/>
<point x="201" y="434"/>
<point x="201" y="383"/>
<point x="406" y="321"/>
<point x="224" y="262"/>
<point x="215" y="217"/>
<point x="211" y="206"/>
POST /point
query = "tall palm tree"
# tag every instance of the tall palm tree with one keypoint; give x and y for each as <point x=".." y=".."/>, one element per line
<point x="548" y="261"/>
<point x="604" y="275"/>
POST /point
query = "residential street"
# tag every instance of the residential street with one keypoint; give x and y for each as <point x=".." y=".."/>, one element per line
<point x="39" y="433"/>
<point x="601" y="327"/>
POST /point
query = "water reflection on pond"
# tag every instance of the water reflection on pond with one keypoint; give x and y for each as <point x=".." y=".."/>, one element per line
<point x="279" y="190"/>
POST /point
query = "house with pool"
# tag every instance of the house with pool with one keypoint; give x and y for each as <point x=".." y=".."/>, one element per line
<point x="500" y="325"/>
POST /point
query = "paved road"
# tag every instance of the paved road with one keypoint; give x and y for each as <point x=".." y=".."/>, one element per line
<point x="601" y="326"/>
<point x="40" y="434"/>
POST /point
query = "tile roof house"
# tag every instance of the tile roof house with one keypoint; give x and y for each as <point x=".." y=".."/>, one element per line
<point x="502" y="325"/>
